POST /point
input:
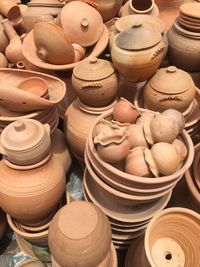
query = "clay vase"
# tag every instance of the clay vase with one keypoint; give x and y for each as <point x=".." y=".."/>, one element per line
<point x="59" y="49"/>
<point x="137" y="52"/>
<point x="170" y="242"/>
<point x="78" y="121"/>
<point x="3" y="61"/>
<point x="184" y="48"/>
<point x="177" y="93"/>
<point x="3" y="223"/>
<point x="147" y="7"/>
<point x="84" y="239"/>
<point x="30" y="194"/>
<point x="13" y="51"/>
<point x="9" y="9"/>
<point x="85" y="29"/>
<point x="95" y="81"/>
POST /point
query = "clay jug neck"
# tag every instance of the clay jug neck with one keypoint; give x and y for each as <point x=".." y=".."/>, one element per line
<point x="10" y="31"/>
<point x="141" y="6"/>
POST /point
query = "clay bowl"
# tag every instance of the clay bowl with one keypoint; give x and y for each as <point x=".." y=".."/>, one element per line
<point x="30" y="52"/>
<point x="23" y="100"/>
<point x="170" y="242"/>
<point x="113" y="262"/>
<point x="37" y="238"/>
<point x="31" y="263"/>
<point x="136" y="181"/>
<point x="122" y="213"/>
<point x="35" y="85"/>
<point x="94" y="164"/>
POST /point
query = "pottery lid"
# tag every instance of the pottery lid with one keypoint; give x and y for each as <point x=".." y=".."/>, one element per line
<point x="22" y="135"/>
<point x="171" y="80"/>
<point x="191" y="9"/>
<point x="139" y="36"/>
<point x="93" y="69"/>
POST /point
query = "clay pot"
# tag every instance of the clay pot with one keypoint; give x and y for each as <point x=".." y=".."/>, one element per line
<point x="139" y="7"/>
<point x="183" y="48"/>
<point x="168" y="240"/>
<point x="59" y="51"/>
<point x="13" y="51"/>
<point x="136" y="136"/>
<point x="88" y="243"/>
<point x="79" y="52"/>
<point x="3" y="61"/>
<point x="133" y="51"/>
<point x="31" y="145"/>
<point x="84" y="30"/>
<point x="45" y="184"/>
<point x="3" y="223"/>
<point x="10" y="9"/>
<point x="4" y="39"/>
<point x="95" y="82"/>
<point x="78" y="120"/>
<point x="177" y="93"/>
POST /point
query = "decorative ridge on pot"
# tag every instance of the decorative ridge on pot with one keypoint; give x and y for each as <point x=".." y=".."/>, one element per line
<point x="117" y="137"/>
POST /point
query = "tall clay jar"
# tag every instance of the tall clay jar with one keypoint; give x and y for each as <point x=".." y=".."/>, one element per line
<point x="78" y="121"/>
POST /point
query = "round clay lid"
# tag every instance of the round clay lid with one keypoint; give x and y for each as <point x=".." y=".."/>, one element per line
<point x="22" y="135"/>
<point x="191" y="9"/>
<point x="139" y="36"/>
<point x="171" y="80"/>
<point x="93" y="69"/>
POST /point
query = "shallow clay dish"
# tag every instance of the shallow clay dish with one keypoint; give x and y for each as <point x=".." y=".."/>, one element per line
<point x="30" y="52"/>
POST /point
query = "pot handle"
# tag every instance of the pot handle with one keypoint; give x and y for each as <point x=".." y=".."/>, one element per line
<point x="94" y="85"/>
<point x="169" y="97"/>
<point x="157" y="51"/>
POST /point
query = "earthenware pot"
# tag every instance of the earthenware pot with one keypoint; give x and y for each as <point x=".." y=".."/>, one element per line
<point x="79" y="119"/>
<point x="183" y="48"/>
<point x="177" y="93"/>
<point x="13" y="51"/>
<point x="3" y="223"/>
<point x="168" y="240"/>
<point x="133" y="51"/>
<point x="84" y="30"/>
<point x="87" y="243"/>
<point x="59" y="49"/>
<point x="3" y="61"/>
<point x="4" y="39"/>
<point x="10" y="9"/>
<point x="95" y="82"/>
<point x="45" y="184"/>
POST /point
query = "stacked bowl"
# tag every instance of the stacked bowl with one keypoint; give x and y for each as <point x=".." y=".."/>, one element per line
<point x="129" y="201"/>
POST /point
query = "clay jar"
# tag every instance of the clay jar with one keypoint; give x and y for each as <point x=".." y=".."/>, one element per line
<point x="9" y="9"/>
<point x="4" y="39"/>
<point x="30" y="194"/>
<point x="170" y="242"/>
<point x="95" y="82"/>
<point x="78" y="120"/>
<point x="25" y="142"/>
<point x="3" y="61"/>
<point x="85" y="29"/>
<point x="137" y="52"/>
<point x="169" y="88"/>
<point x="184" y="47"/>
<point x="80" y="235"/>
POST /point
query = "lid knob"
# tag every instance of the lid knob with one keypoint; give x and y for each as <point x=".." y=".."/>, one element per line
<point x="93" y="60"/>
<point x="84" y="22"/>
<point x="137" y="24"/>
<point x="19" y="126"/>
<point x="171" y="69"/>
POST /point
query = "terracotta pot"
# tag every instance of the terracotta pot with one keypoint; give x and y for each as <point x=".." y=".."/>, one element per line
<point x="88" y="243"/>
<point x="3" y="223"/>
<point x="3" y="61"/>
<point x="133" y="51"/>
<point x="78" y="120"/>
<point x="95" y="82"/>
<point x="57" y="52"/>
<point x="45" y="184"/>
<point x="147" y="7"/>
<point x="4" y="39"/>
<point x="10" y="9"/>
<point x="168" y="240"/>
<point x="177" y="93"/>
<point x="183" y="48"/>
<point x="87" y="28"/>
<point x="32" y="142"/>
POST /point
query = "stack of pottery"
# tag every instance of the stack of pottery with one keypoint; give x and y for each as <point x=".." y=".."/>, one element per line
<point x="32" y="179"/>
<point x="30" y="95"/>
<point x="95" y="81"/>
<point x="80" y="235"/>
<point x="168" y="241"/>
<point x="192" y="176"/>
<point x="75" y="37"/>
<point x="184" y="37"/>
<point x="147" y="7"/>
<point x="171" y="88"/>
